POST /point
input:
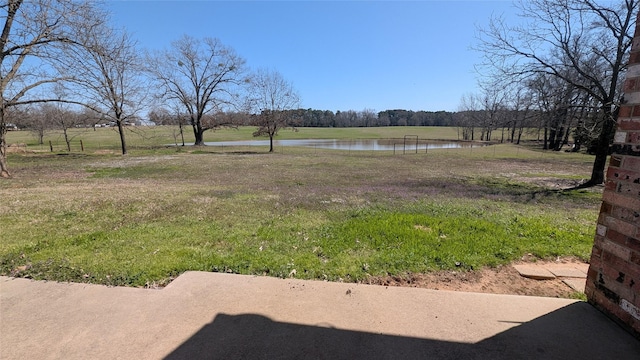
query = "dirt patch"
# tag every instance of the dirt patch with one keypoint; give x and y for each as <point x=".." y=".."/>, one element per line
<point x="499" y="280"/>
<point x="17" y="148"/>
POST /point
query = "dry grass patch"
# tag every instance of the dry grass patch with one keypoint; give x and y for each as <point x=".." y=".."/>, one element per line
<point x="143" y="219"/>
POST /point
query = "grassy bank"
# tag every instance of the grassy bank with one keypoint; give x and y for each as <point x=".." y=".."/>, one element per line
<point x="145" y="218"/>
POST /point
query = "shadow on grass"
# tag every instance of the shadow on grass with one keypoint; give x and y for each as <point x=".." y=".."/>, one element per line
<point x="577" y="331"/>
<point x="495" y="188"/>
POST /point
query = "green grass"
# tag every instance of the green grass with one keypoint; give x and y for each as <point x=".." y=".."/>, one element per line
<point x="155" y="136"/>
<point x="145" y="218"/>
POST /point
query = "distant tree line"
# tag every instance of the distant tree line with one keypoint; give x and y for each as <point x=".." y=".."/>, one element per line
<point x="328" y="118"/>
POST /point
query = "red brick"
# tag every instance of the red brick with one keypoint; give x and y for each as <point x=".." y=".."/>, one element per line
<point x="606" y="208"/>
<point x="613" y="309"/>
<point x="625" y="111"/>
<point x="596" y="258"/>
<point x="590" y="290"/>
<point x="618" y="174"/>
<point x="635" y="258"/>
<point x="617" y="237"/>
<point x="628" y="188"/>
<point x="620" y="226"/>
<point x="618" y="250"/>
<point x="598" y="241"/>
<point x="624" y="316"/>
<point x="601" y="220"/>
<point x="592" y="273"/>
<point x="633" y="243"/>
<point x="599" y="296"/>
<point x="633" y="137"/>
<point x="631" y="163"/>
<point x="615" y="161"/>
<point x="621" y="200"/>
<point x="621" y="289"/>
<point x="628" y="215"/>
<point x="596" y="253"/>
<point x="610" y="260"/>
<point x="612" y="173"/>
<point x="627" y="124"/>
<point x="611" y="273"/>
<point x="632" y="275"/>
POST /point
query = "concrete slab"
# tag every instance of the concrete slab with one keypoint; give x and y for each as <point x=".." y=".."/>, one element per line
<point x="534" y="272"/>
<point x="214" y="316"/>
<point x="566" y="271"/>
<point x="582" y="267"/>
<point x="576" y="284"/>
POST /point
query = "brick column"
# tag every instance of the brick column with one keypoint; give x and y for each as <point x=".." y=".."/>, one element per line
<point x="613" y="282"/>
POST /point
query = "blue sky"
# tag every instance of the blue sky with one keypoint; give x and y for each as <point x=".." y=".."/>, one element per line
<point x="342" y="55"/>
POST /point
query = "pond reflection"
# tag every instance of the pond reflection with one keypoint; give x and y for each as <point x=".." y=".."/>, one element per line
<point x="354" y="144"/>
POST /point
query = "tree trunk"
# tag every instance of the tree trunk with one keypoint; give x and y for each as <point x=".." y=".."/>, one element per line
<point x="551" y="140"/>
<point x="66" y="138"/>
<point x="270" y="143"/>
<point x="4" y="170"/>
<point x="198" y="132"/>
<point x="122" y="140"/>
<point x="520" y="131"/>
<point x="181" y="133"/>
<point x="199" y="137"/>
<point x="545" y="145"/>
<point x="602" y="149"/>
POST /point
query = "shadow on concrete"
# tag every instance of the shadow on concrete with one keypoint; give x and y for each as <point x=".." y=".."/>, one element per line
<point x="577" y="331"/>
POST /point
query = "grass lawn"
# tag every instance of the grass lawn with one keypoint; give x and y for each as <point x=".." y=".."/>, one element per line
<point x="144" y="218"/>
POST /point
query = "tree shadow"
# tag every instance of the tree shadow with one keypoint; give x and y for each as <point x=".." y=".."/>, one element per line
<point x="577" y="331"/>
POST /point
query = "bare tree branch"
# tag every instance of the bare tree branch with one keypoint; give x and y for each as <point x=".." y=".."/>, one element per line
<point x="200" y="76"/>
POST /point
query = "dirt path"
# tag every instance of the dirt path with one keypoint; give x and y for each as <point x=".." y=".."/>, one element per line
<point x="500" y="280"/>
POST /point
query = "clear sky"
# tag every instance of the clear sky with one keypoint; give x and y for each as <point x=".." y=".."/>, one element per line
<point x="339" y="55"/>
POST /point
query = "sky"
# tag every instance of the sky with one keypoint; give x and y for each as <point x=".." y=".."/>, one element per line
<point x="339" y="55"/>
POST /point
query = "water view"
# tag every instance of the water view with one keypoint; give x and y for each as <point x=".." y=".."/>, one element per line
<point x="354" y="144"/>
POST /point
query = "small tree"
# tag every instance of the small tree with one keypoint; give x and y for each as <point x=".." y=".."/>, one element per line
<point x="273" y="97"/>
<point x="104" y="73"/>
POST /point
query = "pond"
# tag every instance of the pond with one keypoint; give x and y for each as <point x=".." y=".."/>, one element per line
<point x="354" y="144"/>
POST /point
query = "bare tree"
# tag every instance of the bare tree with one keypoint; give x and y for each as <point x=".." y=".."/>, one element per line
<point x="520" y="106"/>
<point x="104" y="74"/>
<point x="469" y="117"/>
<point x="273" y="97"/>
<point x="37" y="119"/>
<point x="369" y="117"/>
<point x="201" y="77"/>
<point x="588" y="37"/>
<point x="162" y="116"/>
<point x="37" y="30"/>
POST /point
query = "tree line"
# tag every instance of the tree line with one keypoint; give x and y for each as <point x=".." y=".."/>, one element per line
<point x="328" y="118"/>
